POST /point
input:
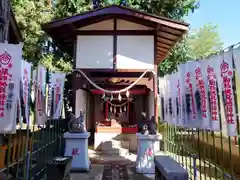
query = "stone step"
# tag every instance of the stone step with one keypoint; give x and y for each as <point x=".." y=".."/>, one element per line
<point x="118" y="151"/>
<point x="111" y="144"/>
<point x="125" y="144"/>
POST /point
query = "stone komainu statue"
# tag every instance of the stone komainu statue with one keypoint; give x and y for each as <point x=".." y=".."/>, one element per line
<point x="76" y="124"/>
<point x="147" y="126"/>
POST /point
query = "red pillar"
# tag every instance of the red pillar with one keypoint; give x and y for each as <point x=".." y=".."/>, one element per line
<point x="128" y="111"/>
<point x="106" y="110"/>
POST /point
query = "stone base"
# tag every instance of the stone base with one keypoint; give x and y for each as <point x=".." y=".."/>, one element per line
<point x="77" y="147"/>
<point x="148" y="145"/>
<point x="81" y="170"/>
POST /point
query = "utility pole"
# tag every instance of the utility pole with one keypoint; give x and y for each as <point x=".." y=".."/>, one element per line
<point x="4" y="19"/>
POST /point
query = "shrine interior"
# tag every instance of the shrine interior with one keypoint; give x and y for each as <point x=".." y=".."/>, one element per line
<point x="115" y="115"/>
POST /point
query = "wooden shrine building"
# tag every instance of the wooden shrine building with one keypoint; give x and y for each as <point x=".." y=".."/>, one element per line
<point x="14" y="34"/>
<point x="114" y="46"/>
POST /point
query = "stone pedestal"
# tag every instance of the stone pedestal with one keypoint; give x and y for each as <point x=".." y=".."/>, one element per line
<point x="148" y="145"/>
<point x="77" y="147"/>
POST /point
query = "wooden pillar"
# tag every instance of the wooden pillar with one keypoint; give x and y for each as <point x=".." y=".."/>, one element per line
<point x="155" y="90"/>
<point x="74" y="77"/>
<point x="115" y="44"/>
<point x="74" y="91"/>
<point x="4" y="19"/>
<point x="155" y="82"/>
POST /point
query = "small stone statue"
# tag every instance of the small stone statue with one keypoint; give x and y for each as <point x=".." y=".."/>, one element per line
<point x="76" y="125"/>
<point x="145" y="130"/>
<point x="147" y="126"/>
<point x="143" y="124"/>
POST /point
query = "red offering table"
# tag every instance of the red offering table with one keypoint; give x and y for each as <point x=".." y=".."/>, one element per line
<point x="129" y="130"/>
<point x="109" y="129"/>
<point x="105" y="129"/>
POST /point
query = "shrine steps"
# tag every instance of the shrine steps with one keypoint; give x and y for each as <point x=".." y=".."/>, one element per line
<point x="127" y="141"/>
<point x="116" y="152"/>
<point x="115" y="148"/>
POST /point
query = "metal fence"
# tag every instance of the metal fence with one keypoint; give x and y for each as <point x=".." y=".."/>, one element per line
<point x="24" y="155"/>
<point x="204" y="154"/>
<point x="208" y="154"/>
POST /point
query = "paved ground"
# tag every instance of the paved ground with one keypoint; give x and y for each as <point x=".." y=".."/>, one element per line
<point x="97" y="170"/>
<point x="98" y="162"/>
<point x="97" y="158"/>
<point x="97" y="167"/>
<point x="94" y="174"/>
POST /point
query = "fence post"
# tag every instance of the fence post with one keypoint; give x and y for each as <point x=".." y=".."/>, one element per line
<point x="27" y="165"/>
<point x="194" y="167"/>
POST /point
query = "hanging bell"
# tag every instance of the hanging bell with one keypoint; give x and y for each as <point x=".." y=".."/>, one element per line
<point x="115" y="109"/>
<point x="111" y="109"/>
<point x="111" y="97"/>
<point x="120" y="109"/>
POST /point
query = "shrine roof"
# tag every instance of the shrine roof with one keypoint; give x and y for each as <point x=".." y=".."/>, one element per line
<point x="168" y="31"/>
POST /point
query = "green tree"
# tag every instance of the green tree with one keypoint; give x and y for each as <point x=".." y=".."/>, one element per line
<point x="38" y="48"/>
<point x="178" y="55"/>
<point x="30" y="15"/>
<point x="198" y="44"/>
<point x="204" y="41"/>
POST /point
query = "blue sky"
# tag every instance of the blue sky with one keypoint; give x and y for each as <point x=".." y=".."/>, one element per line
<point x="224" y="13"/>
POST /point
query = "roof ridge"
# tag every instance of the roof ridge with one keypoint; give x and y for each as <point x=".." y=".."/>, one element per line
<point x="120" y="7"/>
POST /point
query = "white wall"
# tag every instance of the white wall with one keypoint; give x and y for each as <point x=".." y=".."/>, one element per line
<point x="94" y="52"/>
<point x="135" y="52"/>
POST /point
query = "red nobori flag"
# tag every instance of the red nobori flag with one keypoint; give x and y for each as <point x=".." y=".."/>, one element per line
<point x="10" y="73"/>
<point x="224" y="74"/>
<point x="26" y="80"/>
<point x="41" y="116"/>
<point x="58" y="80"/>
<point x="210" y="72"/>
